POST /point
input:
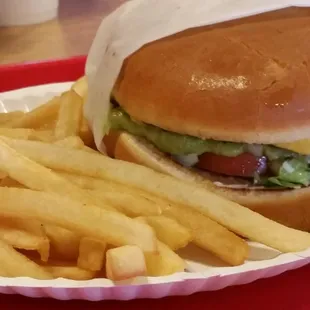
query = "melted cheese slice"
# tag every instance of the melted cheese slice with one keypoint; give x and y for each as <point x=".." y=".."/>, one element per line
<point x="301" y="146"/>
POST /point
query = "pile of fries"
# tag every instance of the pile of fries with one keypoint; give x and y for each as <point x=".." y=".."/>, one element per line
<point x="68" y="211"/>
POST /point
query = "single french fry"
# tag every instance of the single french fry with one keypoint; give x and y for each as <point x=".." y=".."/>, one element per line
<point x="210" y="236"/>
<point x="127" y="203"/>
<point x="69" y="272"/>
<point x="76" y="143"/>
<point x="69" y="116"/>
<point x="49" y="124"/>
<point x="3" y="175"/>
<point x="96" y="184"/>
<point x="18" y="265"/>
<point x="24" y="234"/>
<point x="91" y="254"/>
<point x="85" y="220"/>
<point x="218" y="209"/>
<point x="9" y="117"/>
<point x="9" y="182"/>
<point x="63" y="242"/>
<point x="4" y="273"/>
<point x="37" y="117"/>
<point x="23" y="239"/>
<point x="169" y="231"/>
<point x="124" y="263"/>
<point x="89" y="149"/>
<point x="72" y="142"/>
<point x="86" y="134"/>
<point x="16" y="133"/>
<point x="27" y="134"/>
<point x="164" y="262"/>
<point x="42" y="135"/>
<point x="81" y="87"/>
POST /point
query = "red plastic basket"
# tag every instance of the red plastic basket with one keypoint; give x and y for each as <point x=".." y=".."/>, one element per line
<point x="35" y="73"/>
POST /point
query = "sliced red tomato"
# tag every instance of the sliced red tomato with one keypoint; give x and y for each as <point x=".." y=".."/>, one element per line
<point x="244" y="165"/>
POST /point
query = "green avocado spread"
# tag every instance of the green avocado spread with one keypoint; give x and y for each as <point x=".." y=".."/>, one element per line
<point x="170" y="142"/>
<point x="289" y="169"/>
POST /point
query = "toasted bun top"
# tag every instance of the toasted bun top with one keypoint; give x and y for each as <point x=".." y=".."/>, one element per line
<point x="244" y="81"/>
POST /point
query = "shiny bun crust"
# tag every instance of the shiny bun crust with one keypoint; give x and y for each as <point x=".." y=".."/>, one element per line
<point x="289" y="207"/>
<point x="243" y="81"/>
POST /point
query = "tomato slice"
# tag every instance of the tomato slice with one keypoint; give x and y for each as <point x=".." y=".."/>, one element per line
<point x="244" y="165"/>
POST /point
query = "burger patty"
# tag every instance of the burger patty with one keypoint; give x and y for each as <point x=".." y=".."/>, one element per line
<point x="265" y="165"/>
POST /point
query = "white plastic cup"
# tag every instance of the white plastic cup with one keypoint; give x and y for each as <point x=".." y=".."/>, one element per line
<point x="27" y="12"/>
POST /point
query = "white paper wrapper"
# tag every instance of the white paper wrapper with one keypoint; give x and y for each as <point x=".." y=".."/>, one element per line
<point x="139" y="22"/>
<point x="204" y="272"/>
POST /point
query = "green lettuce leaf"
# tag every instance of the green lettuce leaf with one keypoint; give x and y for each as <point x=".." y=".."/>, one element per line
<point x="290" y="173"/>
<point x="275" y="181"/>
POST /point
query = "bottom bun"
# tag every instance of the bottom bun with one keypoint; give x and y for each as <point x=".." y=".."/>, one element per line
<point x="288" y="207"/>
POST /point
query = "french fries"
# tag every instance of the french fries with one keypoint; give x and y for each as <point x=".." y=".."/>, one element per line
<point x="5" y="118"/>
<point x="90" y="216"/>
<point x="64" y="269"/>
<point x="95" y="184"/>
<point x="91" y="254"/>
<point x="3" y="175"/>
<point x="9" y="182"/>
<point x="209" y="235"/>
<point x="18" y="265"/>
<point x="127" y="203"/>
<point x="228" y="247"/>
<point x="38" y="117"/>
<point x="70" y="115"/>
<point x="27" y="134"/>
<point x="74" y="142"/>
<point x="130" y="201"/>
<point x="89" y="149"/>
<point x="26" y="235"/>
<point x="80" y="87"/>
<point x="69" y="272"/>
<point x="163" y="263"/>
<point x="4" y="273"/>
<point x="37" y="177"/>
<point x="85" y="134"/>
<point x="205" y="233"/>
<point x="85" y="220"/>
<point x="227" y="213"/>
<point x="64" y="243"/>
<point x="125" y="262"/>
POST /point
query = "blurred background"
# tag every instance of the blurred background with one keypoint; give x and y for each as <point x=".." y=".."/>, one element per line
<point x="70" y="34"/>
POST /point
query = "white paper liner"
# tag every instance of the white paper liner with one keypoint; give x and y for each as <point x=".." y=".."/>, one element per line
<point x="205" y="272"/>
<point x="138" y="22"/>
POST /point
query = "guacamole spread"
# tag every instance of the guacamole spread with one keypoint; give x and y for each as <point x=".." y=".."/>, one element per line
<point x="170" y="142"/>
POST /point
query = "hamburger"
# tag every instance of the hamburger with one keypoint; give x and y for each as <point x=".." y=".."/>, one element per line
<point x="226" y="106"/>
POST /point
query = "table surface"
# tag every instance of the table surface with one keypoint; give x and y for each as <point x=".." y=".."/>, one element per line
<point x="69" y="35"/>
